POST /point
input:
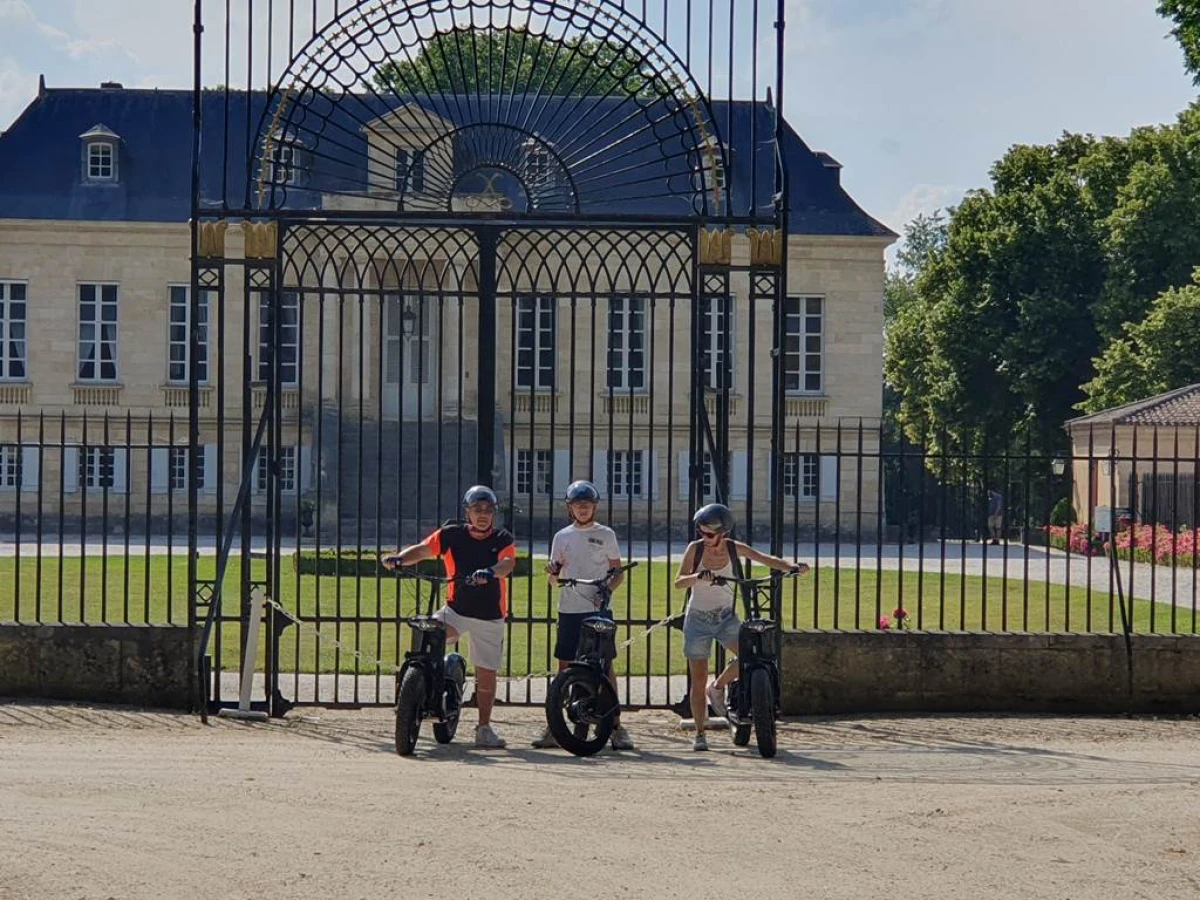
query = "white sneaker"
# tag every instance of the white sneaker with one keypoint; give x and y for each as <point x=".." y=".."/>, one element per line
<point x="701" y="742"/>
<point x="716" y="699"/>
<point x="488" y="739"/>
<point x="621" y="739"/>
<point x="545" y="740"/>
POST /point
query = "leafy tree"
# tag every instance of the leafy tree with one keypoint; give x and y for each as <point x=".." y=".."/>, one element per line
<point x="1036" y="275"/>
<point x="1159" y="353"/>
<point x="1185" y="14"/>
<point x="923" y="237"/>
<point x="508" y="60"/>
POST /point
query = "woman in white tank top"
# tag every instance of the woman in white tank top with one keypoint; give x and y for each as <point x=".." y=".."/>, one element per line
<point x="710" y="614"/>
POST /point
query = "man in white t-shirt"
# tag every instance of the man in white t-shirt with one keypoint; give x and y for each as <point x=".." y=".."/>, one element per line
<point x="588" y="550"/>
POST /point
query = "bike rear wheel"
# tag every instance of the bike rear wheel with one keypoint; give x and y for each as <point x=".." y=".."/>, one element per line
<point x="581" y="711"/>
<point x="409" y="700"/>
<point x="762" y="701"/>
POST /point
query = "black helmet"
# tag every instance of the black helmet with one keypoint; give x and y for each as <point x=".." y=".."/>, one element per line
<point x="582" y="490"/>
<point x="480" y="494"/>
<point x="716" y="516"/>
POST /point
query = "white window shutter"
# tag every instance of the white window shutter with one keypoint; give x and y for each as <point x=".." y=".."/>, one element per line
<point x="304" y="458"/>
<point x="650" y="463"/>
<point x="211" y="474"/>
<point x="600" y="471"/>
<point x="737" y="478"/>
<point x="160" y="470"/>
<point x="684" y="475"/>
<point x="70" y="469"/>
<point x="120" y="476"/>
<point x="829" y="478"/>
<point x="562" y="473"/>
<point x="30" y="468"/>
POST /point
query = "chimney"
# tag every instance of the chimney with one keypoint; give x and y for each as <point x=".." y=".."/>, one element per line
<point x="831" y="165"/>
<point x="111" y="86"/>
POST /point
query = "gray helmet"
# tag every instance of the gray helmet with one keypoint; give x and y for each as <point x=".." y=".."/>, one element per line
<point x="716" y="516"/>
<point x="582" y="490"/>
<point x="480" y="494"/>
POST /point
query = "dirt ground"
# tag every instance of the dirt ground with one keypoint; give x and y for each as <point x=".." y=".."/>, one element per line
<point x="100" y="803"/>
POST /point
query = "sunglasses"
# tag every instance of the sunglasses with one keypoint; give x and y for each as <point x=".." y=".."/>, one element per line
<point x="710" y="534"/>
<point x="481" y="508"/>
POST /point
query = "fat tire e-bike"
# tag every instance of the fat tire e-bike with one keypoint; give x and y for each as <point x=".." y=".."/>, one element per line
<point x="430" y="683"/>
<point x="752" y="701"/>
<point x="582" y="705"/>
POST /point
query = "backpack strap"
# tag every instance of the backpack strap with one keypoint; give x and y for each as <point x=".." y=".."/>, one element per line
<point x="698" y="546"/>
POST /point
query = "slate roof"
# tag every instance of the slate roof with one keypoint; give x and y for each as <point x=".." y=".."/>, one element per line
<point x="41" y="173"/>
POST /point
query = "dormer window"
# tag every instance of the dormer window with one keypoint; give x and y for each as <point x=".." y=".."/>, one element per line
<point x="410" y="171"/>
<point x="101" y="162"/>
<point x="281" y="166"/>
<point x="539" y="173"/>
<point x="101" y="157"/>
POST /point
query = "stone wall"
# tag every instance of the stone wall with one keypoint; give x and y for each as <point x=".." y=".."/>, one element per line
<point x="140" y="665"/>
<point x="827" y="672"/>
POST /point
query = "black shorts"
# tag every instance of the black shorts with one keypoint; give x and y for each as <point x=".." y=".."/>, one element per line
<point x="569" y="627"/>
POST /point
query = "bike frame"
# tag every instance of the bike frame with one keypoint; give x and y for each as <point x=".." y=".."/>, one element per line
<point x="597" y="634"/>
<point x="429" y="650"/>
<point x="758" y="645"/>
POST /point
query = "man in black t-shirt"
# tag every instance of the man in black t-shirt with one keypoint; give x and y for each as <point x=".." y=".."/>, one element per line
<point x="487" y="556"/>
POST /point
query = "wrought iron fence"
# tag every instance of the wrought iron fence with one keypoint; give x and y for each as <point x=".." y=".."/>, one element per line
<point x="94" y="517"/>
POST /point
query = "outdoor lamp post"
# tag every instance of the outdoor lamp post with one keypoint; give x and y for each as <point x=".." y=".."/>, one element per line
<point x="1058" y="466"/>
<point x="408" y="319"/>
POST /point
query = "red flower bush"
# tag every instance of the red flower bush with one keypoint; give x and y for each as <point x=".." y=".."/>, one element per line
<point x="1144" y="543"/>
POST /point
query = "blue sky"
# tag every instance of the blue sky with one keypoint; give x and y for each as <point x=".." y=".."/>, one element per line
<point x="916" y="98"/>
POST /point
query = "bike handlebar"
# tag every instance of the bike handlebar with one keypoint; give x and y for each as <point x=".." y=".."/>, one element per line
<point x="595" y="582"/>
<point x="755" y="582"/>
<point x="407" y="572"/>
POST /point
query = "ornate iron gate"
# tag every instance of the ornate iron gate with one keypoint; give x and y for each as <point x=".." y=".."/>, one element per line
<point x="515" y="243"/>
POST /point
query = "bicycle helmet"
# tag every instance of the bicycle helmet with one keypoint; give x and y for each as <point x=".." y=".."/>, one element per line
<point x="582" y="490"/>
<point x="715" y="516"/>
<point x="480" y="494"/>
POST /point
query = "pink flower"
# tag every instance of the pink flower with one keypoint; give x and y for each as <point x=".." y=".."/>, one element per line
<point x="884" y="623"/>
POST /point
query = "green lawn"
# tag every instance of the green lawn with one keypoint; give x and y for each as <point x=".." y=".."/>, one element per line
<point x="113" y="592"/>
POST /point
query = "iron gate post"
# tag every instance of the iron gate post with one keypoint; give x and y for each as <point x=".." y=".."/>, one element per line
<point x="486" y="358"/>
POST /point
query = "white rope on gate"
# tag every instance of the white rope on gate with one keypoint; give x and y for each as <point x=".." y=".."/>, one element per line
<point x="370" y="661"/>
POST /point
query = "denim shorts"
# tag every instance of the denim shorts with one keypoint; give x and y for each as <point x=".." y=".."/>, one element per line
<point x="701" y="627"/>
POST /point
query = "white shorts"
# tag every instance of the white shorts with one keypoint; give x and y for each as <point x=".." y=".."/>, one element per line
<point x="486" y="637"/>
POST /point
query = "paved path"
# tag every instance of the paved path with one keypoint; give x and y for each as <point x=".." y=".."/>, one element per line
<point x="1011" y="561"/>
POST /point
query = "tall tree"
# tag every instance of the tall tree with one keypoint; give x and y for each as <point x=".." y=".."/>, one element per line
<point x="922" y="238"/>
<point x="1037" y="274"/>
<point x="516" y="60"/>
<point x="1185" y="14"/>
<point x="1159" y="353"/>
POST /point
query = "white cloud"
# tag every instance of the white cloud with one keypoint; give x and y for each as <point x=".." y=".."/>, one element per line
<point x="20" y="11"/>
<point x="922" y="198"/>
<point x="17" y="89"/>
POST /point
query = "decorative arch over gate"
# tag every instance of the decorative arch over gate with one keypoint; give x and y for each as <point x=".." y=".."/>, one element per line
<point x="389" y="107"/>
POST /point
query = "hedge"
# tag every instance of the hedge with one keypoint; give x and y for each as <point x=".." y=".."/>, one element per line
<point x="366" y="565"/>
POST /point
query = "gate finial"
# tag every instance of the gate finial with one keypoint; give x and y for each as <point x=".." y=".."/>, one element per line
<point x="766" y="247"/>
<point x="260" y="239"/>
<point x="716" y="247"/>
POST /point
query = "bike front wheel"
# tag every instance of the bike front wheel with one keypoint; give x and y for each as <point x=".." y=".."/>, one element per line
<point x="762" y="702"/>
<point x="456" y="677"/>
<point x="409" y="700"/>
<point x="581" y="710"/>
